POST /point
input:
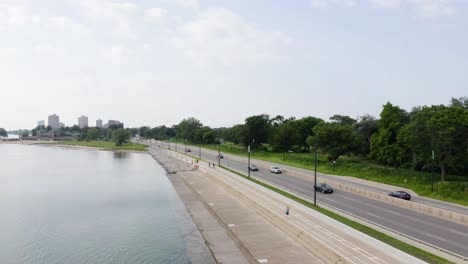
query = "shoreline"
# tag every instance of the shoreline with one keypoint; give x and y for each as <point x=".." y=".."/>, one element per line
<point x="57" y="144"/>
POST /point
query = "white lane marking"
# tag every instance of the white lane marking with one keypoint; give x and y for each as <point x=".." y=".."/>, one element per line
<point x="374" y="215"/>
<point x="393" y="212"/>
<point x="435" y="237"/>
<point x="348" y="198"/>
<point x="211" y="204"/>
<point x="263" y="261"/>
<point x="231" y="225"/>
<point x="460" y="233"/>
<point x="325" y="241"/>
<point x="328" y="199"/>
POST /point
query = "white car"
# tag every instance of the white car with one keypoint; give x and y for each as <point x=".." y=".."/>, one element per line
<point x="275" y="170"/>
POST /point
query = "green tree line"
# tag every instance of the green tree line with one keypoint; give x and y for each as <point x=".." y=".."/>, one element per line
<point x="426" y="138"/>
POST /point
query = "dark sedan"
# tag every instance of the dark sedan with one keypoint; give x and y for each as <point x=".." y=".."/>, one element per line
<point x="401" y="195"/>
<point x="324" y="188"/>
<point x="253" y="167"/>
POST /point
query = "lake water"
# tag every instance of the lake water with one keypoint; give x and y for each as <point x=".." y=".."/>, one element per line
<point x="60" y="205"/>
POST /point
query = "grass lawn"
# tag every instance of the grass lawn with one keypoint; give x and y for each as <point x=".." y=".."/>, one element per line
<point x="454" y="189"/>
<point x="109" y="145"/>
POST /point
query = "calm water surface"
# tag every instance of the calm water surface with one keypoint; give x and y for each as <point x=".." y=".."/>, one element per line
<point x="60" y="205"/>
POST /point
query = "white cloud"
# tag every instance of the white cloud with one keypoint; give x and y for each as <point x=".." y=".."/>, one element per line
<point x="12" y="14"/>
<point x="220" y="36"/>
<point x="432" y="9"/>
<point x="155" y="13"/>
<point x="386" y="3"/>
<point x="114" y="54"/>
<point x="66" y="24"/>
<point x="118" y="13"/>
<point x="189" y="4"/>
<point x="340" y="3"/>
<point x="44" y="49"/>
<point x="425" y="9"/>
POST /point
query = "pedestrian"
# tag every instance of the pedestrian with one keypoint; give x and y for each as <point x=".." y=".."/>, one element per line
<point x="287" y="210"/>
<point x="209" y="164"/>
<point x="213" y="165"/>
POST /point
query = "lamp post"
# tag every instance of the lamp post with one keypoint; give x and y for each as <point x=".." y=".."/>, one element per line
<point x="185" y="143"/>
<point x="219" y="153"/>
<point x="248" y="167"/>
<point x="199" y="151"/>
<point x="315" y="175"/>
<point x="432" y="169"/>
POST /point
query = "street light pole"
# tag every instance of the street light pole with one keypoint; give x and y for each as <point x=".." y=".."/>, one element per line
<point x="199" y="152"/>
<point x="185" y="143"/>
<point x="315" y="175"/>
<point x="219" y="154"/>
<point x="248" y="167"/>
<point x="432" y="169"/>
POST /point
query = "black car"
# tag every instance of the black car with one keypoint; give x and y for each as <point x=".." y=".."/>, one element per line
<point x="324" y="188"/>
<point x="253" y="167"/>
<point x="220" y="156"/>
<point x="188" y="150"/>
<point x="401" y="195"/>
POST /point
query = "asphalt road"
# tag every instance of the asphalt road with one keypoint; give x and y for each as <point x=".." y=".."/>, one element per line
<point x="436" y="231"/>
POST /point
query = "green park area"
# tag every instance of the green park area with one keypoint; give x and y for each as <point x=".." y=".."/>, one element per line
<point x="108" y="145"/>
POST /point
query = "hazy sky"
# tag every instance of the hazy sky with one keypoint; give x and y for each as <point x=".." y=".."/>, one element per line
<point x="156" y="62"/>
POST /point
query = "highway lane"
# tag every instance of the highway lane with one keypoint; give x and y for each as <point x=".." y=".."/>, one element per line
<point x="294" y="171"/>
<point x="438" y="232"/>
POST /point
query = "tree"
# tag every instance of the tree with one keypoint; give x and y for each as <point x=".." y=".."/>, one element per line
<point x="3" y="132"/>
<point x="343" y="120"/>
<point x="461" y="102"/>
<point x="187" y="128"/>
<point x="92" y="134"/>
<point x="142" y="131"/>
<point x="120" y="136"/>
<point x="363" y="129"/>
<point x="442" y="129"/>
<point x="304" y="129"/>
<point x="333" y="138"/>
<point x="256" y="130"/>
<point x="284" y="137"/>
<point x="383" y="146"/>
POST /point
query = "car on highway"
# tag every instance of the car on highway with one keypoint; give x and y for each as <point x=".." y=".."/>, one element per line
<point x="253" y="167"/>
<point x="401" y="195"/>
<point x="323" y="188"/>
<point x="275" y="170"/>
<point x="188" y="150"/>
<point x="220" y="156"/>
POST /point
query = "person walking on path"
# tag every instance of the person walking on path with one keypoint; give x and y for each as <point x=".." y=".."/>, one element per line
<point x="209" y="164"/>
<point x="287" y="211"/>
<point x="213" y="165"/>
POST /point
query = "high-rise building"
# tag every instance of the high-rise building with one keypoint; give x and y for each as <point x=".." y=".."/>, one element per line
<point x="83" y="121"/>
<point x="41" y="123"/>
<point x="99" y="123"/>
<point x="54" y="121"/>
<point x="113" y="123"/>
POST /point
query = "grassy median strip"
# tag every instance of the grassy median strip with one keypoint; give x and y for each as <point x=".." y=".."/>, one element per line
<point x="108" y="145"/>
<point x="407" y="248"/>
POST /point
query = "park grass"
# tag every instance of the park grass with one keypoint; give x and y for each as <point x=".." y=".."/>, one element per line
<point x="107" y="145"/>
<point x="405" y="247"/>
<point x="454" y="189"/>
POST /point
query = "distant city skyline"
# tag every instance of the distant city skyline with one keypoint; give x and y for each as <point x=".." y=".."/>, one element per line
<point x="157" y="62"/>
